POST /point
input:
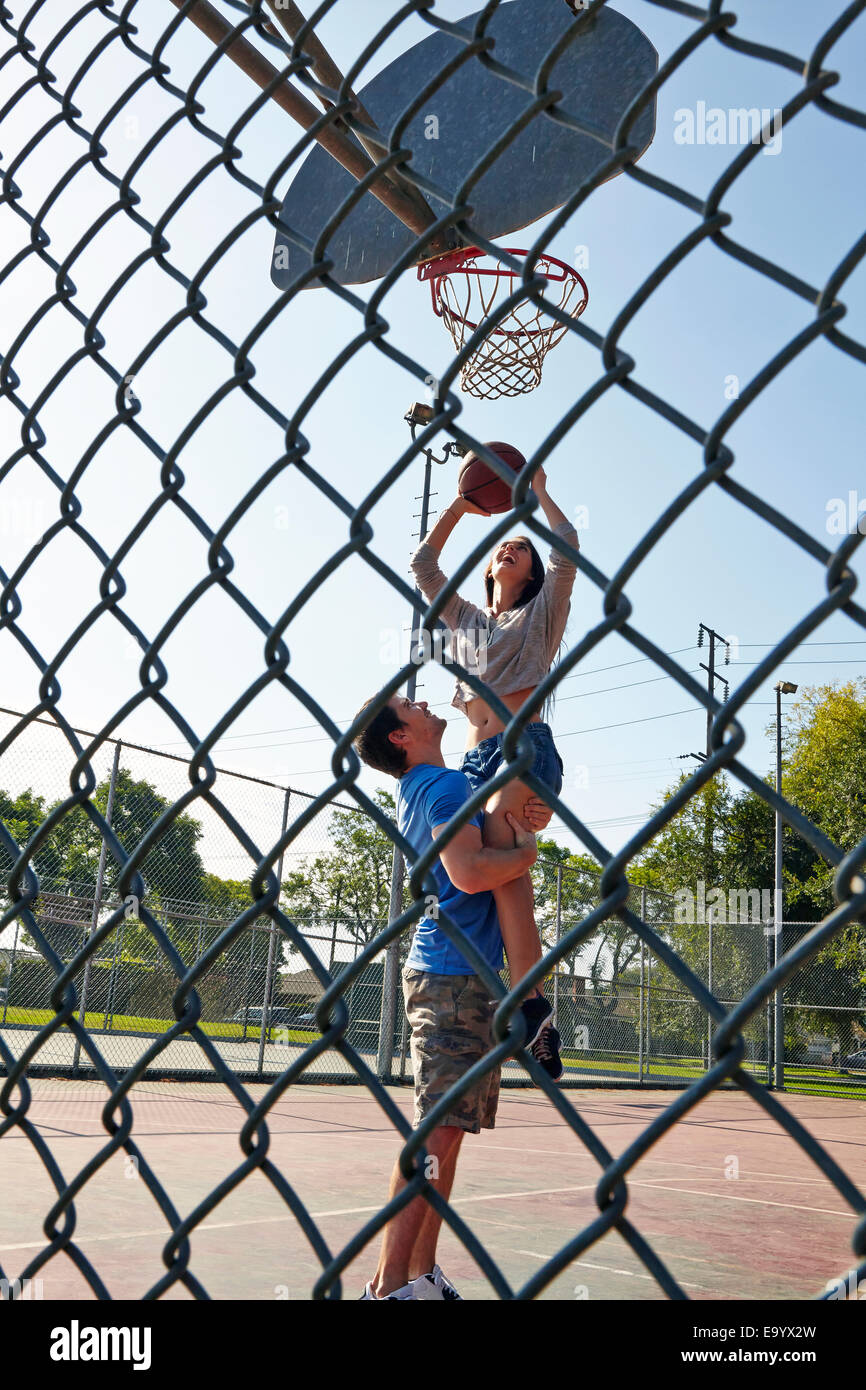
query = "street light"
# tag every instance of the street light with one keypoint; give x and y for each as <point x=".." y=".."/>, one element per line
<point x="782" y="688"/>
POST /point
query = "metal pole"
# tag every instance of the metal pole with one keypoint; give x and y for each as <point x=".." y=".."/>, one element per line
<point x="249" y="972"/>
<point x="391" y="973"/>
<point x="709" y="986"/>
<point x="558" y="938"/>
<point x="289" y="19"/>
<point x="412" y="211"/>
<point x="334" y="929"/>
<point x="641" y="995"/>
<point x="778" y="909"/>
<point x="404" y="1045"/>
<point x="272" y="946"/>
<point x="11" y="969"/>
<point x="640" y="1019"/>
<point x="711" y="686"/>
<point x="109" y="1002"/>
<point x="649" y="995"/>
<point x="97" y="903"/>
<point x="769" y="1017"/>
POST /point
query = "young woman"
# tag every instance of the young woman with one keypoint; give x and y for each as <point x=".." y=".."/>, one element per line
<point x="513" y="640"/>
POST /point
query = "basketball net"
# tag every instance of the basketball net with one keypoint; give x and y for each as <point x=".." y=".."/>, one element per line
<point x="466" y="286"/>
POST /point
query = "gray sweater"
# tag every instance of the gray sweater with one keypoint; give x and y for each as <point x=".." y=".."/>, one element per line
<point x="514" y="650"/>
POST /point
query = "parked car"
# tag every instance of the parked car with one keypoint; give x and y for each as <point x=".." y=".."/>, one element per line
<point x="855" y="1061"/>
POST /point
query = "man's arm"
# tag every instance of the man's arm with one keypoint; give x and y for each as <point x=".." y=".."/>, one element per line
<point x="473" y="868"/>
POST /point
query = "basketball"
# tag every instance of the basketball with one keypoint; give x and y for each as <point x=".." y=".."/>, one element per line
<point x="479" y="484"/>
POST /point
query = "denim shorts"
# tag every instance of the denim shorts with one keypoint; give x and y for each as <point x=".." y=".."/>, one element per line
<point x="482" y="762"/>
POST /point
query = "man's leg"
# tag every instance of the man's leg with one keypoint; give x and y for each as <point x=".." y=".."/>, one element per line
<point x="401" y="1235"/>
<point x="424" y="1250"/>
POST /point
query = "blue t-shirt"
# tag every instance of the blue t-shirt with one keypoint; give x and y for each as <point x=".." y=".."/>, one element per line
<point x="429" y="796"/>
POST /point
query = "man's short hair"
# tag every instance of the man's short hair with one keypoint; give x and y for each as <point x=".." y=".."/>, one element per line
<point x="373" y="745"/>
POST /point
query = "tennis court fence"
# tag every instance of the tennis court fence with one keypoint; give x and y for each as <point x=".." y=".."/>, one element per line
<point x="623" y="1017"/>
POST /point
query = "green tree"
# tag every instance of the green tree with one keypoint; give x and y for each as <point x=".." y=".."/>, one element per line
<point x="68" y="861"/>
<point x="823" y="775"/>
<point x="349" y="887"/>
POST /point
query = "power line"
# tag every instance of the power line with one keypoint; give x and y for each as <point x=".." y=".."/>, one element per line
<point x="596" y="670"/>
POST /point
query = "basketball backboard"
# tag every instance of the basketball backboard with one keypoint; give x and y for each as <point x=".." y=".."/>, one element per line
<point x="599" y="73"/>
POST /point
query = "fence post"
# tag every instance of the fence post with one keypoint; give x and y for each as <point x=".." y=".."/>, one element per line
<point x="390" y="974"/>
<point x="334" y="926"/>
<point x="641" y="995"/>
<point x="649" y="996"/>
<point x="769" y="1013"/>
<point x="97" y="904"/>
<point x="11" y="969"/>
<point x="558" y="937"/>
<point x="267" y="1002"/>
<point x="640" y="1019"/>
<point x="710" y="986"/>
<point x="404" y="1045"/>
<point x="108" y="1018"/>
<point x="247" y="982"/>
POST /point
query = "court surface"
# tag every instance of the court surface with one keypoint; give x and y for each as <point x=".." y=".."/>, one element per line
<point x="775" y="1230"/>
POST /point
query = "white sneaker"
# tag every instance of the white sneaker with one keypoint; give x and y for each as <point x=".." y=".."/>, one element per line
<point x="400" y="1295"/>
<point x="435" y="1286"/>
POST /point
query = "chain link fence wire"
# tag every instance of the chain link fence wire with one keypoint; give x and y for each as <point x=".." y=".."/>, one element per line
<point x="197" y="880"/>
<point x="623" y="1020"/>
<point x="54" y="53"/>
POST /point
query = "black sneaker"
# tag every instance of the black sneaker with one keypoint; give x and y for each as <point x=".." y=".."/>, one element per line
<point x="545" y="1050"/>
<point x="537" y="1012"/>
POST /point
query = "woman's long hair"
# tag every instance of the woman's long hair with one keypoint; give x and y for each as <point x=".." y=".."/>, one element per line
<point x="534" y="583"/>
<point x="533" y="586"/>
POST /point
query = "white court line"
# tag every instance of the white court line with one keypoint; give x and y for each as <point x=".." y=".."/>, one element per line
<point x="456" y="1201"/>
<point x="662" y="1162"/>
<point x="278" y="1220"/>
<point x="754" y="1201"/>
<point x="608" y="1269"/>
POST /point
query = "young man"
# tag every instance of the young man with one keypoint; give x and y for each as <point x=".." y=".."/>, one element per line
<point x="449" y="1008"/>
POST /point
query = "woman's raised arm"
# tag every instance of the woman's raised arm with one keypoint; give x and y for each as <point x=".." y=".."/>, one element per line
<point x="458" y="612"/>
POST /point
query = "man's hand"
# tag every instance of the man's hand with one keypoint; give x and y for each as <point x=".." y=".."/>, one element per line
<point x="538" y="813"/>
<point x="523" y="839"/>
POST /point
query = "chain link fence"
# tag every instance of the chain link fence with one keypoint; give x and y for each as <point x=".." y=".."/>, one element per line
<point x="180" y="960"/>
<point x="623" y="1016"/>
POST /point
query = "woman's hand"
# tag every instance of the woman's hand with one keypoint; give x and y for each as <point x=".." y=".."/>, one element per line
<point x="539" y="482"/>
<point x="461" y="505"/>
<point x="537" y="813"/>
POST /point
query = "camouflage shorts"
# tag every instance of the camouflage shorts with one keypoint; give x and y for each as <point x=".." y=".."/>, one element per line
<point x="450" y="1017"/>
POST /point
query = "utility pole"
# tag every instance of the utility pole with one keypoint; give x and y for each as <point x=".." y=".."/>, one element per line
<point x="712" y="637"/>
<point x="416" y="417"/>
<point x="710" y="668"/>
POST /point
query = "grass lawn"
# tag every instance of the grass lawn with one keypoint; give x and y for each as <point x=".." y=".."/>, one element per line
<point x="133" y="1023"/>
<point x="804" y="1080"/>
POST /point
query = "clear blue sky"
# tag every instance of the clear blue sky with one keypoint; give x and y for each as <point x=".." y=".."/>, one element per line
<point x="799" y="446"/>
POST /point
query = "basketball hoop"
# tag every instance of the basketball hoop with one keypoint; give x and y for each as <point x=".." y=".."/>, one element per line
<point x="467" y="285"/>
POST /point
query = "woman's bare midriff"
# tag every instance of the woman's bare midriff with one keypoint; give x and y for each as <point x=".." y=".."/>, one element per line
<point x="483" y="723"/>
